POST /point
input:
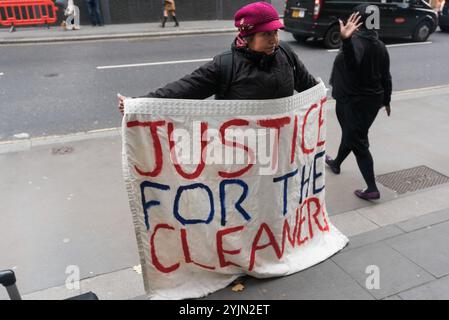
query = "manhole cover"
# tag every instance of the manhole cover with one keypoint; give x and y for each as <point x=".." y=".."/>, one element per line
<point x="62" y="150"/>
<point x="413" y="179"/>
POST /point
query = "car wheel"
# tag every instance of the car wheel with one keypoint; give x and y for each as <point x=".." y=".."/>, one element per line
<point x="332" y="38"/>
<point x="300" y="38"/>
<point x="444" y="28"/>
<point x="422" y="32"/>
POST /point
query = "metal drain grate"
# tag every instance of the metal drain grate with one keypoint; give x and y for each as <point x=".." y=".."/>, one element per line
<point x="62" y="150"/>
<point x="413" y="179"/>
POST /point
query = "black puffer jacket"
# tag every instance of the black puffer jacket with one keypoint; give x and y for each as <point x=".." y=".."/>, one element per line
<point x="362" y="69"/>
<point x="255" y="76"/>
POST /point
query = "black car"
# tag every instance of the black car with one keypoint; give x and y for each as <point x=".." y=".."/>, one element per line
<point x="319" y="19"/>
<point x="443" y="16"/>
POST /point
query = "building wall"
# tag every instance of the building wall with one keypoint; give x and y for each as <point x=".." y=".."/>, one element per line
<point x="137" y="11"/>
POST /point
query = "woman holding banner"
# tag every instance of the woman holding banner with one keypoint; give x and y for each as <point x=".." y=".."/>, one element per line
<point x="257" y="67"/>
<point x="361" y="83"/>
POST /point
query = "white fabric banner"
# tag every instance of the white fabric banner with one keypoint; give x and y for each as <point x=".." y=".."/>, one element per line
<point x="219" y="189"/>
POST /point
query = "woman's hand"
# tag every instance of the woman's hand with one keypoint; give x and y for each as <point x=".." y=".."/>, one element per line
<point x="351" y="26"/>
<point x="121" y="103"/>
<point x="388" y="110"/>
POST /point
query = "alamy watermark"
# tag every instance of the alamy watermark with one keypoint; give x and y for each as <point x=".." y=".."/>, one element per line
<point x="372" y="22"/>
<point x="373" y="280"/>
<point x="228" y="147"/>
<point x="72" y="281"/>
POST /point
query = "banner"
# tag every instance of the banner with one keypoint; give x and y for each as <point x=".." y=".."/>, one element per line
<point x="219" y="189"/>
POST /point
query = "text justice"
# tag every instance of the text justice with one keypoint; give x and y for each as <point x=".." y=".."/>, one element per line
<point x="272" y="123"/>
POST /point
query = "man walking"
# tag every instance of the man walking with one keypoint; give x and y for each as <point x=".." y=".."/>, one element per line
<point x="361" y="84"/>
<point x="93" y="8"/>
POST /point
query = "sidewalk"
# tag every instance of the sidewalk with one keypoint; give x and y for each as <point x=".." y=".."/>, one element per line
<point x="114" y="31"/>
<point x="64" y="207"/>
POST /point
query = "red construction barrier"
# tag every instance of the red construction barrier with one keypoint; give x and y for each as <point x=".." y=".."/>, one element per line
<point x="27" y="12"/>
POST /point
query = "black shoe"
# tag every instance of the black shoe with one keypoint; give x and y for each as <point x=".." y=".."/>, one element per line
<point x="331" y="164"/>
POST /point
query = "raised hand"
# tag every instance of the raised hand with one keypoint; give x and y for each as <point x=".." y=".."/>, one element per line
<point x="351" y="26"/>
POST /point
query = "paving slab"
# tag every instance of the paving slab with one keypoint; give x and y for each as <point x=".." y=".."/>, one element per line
<point x="325" y="281"/>
<point x="405" y="208"/>
<point x="427" y="248"/>
<point x="424" y="221"/>
<point x="352" y="223"/>
<point x="120" y="285"/>
<point x="373" y="236"/>
<point x="434" y="290"/>
<point x="56" y="293"/>
<point x="396" y="272"/>
<point x="16" y="146"/>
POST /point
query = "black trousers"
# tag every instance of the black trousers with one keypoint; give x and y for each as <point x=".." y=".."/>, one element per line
<point x="356" y="115"/>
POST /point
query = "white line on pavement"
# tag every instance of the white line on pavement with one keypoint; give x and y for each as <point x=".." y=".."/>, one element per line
<point x="1" y="73"/>
<point x="408" y="44"/>
<point x="209" y="59"/>
<point x="152" y="64"/>
<point x="395" y="45"/>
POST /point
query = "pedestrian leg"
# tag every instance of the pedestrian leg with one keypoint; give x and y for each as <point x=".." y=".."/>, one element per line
<point x="164" y="18"/>
<point x="76" y="25"/>
<point x="343" y="153"/>
<point x="68" y="22"/>
<point x="364" y="115"/>
<point x="98" y="16"/>
<point x="366" y="166"/>
<point x="344" y="149"/>
<point x="91" y="13"/>
<point x="174" y="19"/>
